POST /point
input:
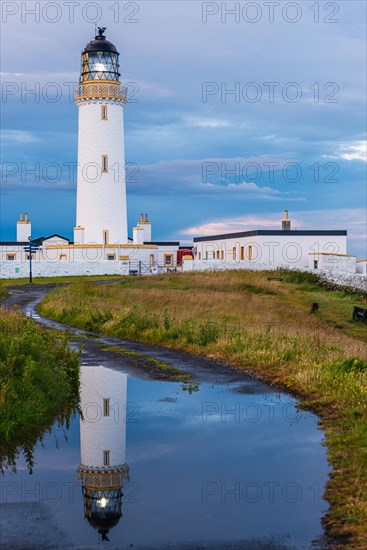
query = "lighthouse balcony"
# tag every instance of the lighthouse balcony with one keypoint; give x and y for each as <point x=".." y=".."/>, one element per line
<point x="100" y="91"/>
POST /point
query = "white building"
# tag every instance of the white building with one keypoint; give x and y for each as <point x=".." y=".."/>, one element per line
<point x="270" y="249"/>
<point x="103" y="467"/>
<point x="101" y="244"/>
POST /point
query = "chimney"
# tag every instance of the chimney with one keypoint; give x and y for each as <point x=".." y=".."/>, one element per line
<point x="286" y="223"/>
<point x="24" y="228"/>
<point x="145" y="224"/>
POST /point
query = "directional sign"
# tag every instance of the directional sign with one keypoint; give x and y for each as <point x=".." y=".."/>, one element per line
<point x="31" y="248"/>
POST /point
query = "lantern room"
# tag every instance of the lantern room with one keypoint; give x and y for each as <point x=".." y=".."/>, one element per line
<point x="100" y="60"/>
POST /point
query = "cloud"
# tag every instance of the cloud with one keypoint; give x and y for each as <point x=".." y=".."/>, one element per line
<point x="190" y="178"/>
<point x="354" y="151"/>
<point x="18" y="136"/>
<point x="209" y="123"/>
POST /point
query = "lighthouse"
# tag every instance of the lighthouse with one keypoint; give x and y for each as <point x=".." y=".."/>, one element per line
<point x="103" y="446"/>
<point x="101" y="216"/>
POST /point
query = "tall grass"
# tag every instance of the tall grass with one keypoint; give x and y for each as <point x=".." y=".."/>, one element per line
<point x="39" y="385"/>
<point x="265" y="327"/>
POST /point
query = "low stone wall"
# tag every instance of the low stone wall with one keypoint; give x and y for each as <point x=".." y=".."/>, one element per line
<point x="355" y="280"/>
<point x="220" y="265"/>
<point x="20" y="270"/>
<point x="350" y="280"/>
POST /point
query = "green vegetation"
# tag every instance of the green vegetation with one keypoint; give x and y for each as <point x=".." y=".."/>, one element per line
<point x="260" y="326"/>
<point x="3" y="292"/>
<point x="39" y="385"/>
<point x="55" y="280"/>
<point x="160" y="369"/>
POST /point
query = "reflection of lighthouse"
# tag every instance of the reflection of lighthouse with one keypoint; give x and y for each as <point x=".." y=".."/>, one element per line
<point x="103" y="444"/>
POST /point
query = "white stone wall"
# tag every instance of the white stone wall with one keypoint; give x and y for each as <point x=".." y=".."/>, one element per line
<point x="100" y="433"/>
<point x="60" y="260"/>
<point x="355" y="280"/>
<point x="333" y="263"/>
<point x="20" y="270"/>
<point x="352" y="280"/>
<point x="101" y="197"/>
<point x="272" y="251"/>
<point x="220" y="265"/>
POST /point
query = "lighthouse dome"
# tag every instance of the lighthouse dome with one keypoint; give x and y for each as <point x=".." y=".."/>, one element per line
<point x="99" y="43"/>
<point x="100" y="60"/>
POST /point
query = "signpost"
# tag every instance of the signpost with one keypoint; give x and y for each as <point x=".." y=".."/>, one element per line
<point x="30" y="249"/>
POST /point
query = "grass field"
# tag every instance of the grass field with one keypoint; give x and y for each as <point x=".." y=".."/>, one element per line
<point x="54" y="280"/>
<point x="260" y="326"/>
<point x="39" y="385"/>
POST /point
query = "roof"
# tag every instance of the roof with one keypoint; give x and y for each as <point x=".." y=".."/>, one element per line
<point x="331" y="254"/>
<point x="38" y="240"/>
<point x="274" y="232"/>
<point x="100" y="44"/>
<point x="164" y="243"/>
<point x="52" y="236"/>
<point x="14" y="243"/>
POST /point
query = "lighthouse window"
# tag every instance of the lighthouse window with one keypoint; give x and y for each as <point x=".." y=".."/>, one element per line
<point x="104" y="113"/>
<point x="234" y="253"/>
<point x="249" y="252"/>
<point x="242" y="252"/>
<point x="106" y="458"/>
<point x="104" y="163"/>
<point x="106" y="407"/>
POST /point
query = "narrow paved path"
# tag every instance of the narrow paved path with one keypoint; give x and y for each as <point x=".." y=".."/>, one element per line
<point x="27" y="297"/>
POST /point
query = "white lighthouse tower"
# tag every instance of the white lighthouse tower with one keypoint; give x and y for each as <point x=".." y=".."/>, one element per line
<point x="101" y="188"/>
<point x="103" y="446"/>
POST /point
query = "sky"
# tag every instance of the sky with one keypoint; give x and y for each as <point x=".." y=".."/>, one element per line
<point x="237" y="111"/>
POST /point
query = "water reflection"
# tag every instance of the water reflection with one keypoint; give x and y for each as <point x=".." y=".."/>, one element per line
<point x="103" y="467"/>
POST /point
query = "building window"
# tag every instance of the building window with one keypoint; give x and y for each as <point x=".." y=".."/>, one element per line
<point x="242" y="252"/>
<point x="11" y="257"/>
<point x="151" y="260"/>
<point x="106" y="458"/>
<point x="218" y="252"/>
<point x="222" y="254"/>
<point x="199" y="255"/>
<point x="106" y="407"/>
<point x="104" y="163"/>
<point x="249" y="252"/>
<point x="28" y="255"/>
<point x="315" y="264"/>
<point x="62" y="257"/>
<point x="105" y="236"/>
<point x="168" y="259"/>
<point x="111" y="257"/>
<point x="234" y="253"/>
<point x="104" y="112"/>
<point x="206" y="255"/>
